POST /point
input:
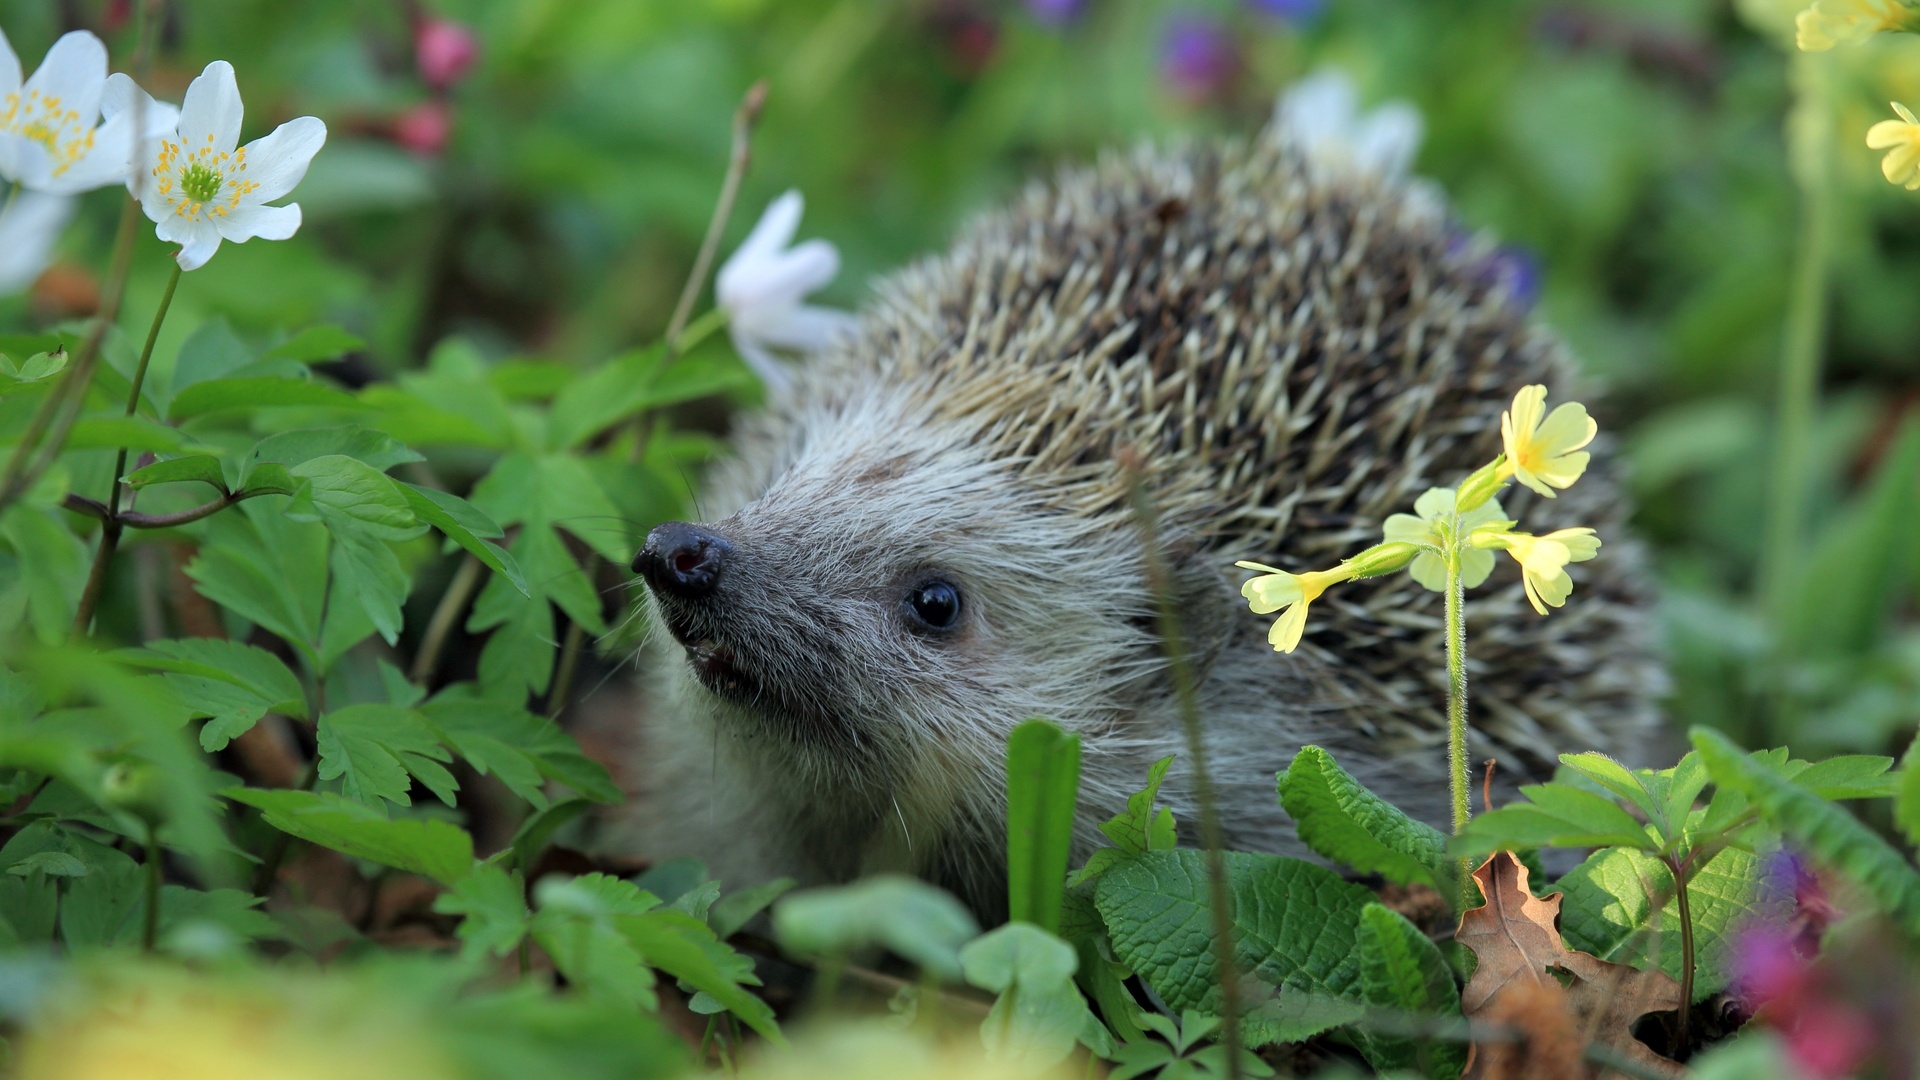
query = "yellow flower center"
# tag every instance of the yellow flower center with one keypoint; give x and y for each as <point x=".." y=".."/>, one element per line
<point x="42" y="119"/>
<point x="204" y="182"/>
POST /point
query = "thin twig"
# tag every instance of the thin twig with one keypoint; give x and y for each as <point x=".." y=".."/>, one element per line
<point x="461" y="589"/>
<point x="1218" y="897"/>
<point x="80" y="504"/>
<point x="744" y="118"/>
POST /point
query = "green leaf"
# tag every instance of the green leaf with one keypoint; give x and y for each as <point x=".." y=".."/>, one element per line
<point x="1343" y="821"/>
<point x="202" y="467"/>
<point x="918" y="921"/>
<point x="1849" y="776"/>
<point x="314" y="344"/>
<point x="464" y="525"/>
<point x="1613" y="776"/>
<point x="349" y="494"/>
<point x="50" y="863"/>
<point x="686" y="948"/>
<point x="212" y="350"/>
<point x="252" y="393"/>
<point x="1620" y="906"/>
<point x="376" y="449"/>
<point x="366" y="572"/>
<point x="111" y="430"/>
<point x="627" y="385"/>
<point x="575" y="925"/>
<point x="732" y="912"/>
<point x="522" y="749"/>
<point x="1043" y="782"/>
<point x="1402" y="970"/>
<point x="40" y="365"/>
<point x="1821" y="828"/>
<point x="1558" y="815"/>
<point x="1039" y="1015"/>
<point x="1138" y="830"/>
<point x="44" y="578"/>
<point x="1862" y="552"/>
<point x="432" y="849"/>
<point x="1295" y="929"/>
<point x="1906" y="801"/>
<point x="493" y="905"/>
<point x="373" y="749"/>
<point x="537" y="831"/>
<point x="231" y="684"/>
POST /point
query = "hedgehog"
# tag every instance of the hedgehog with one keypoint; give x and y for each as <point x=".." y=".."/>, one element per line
<point x="934" y="534"/>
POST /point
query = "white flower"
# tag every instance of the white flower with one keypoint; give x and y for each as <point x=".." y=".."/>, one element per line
<point x="762" y="284"/>
<point x="1320" y="116"/>
<point x="29" y="225"/>
<point x="51" y="139"/>
<point x="201" y="187"/>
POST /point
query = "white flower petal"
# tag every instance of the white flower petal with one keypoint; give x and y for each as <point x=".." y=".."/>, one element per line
<point x="74" y="71"/>
<point x="122" y="94"/>
<point x="804" y="328"/>
<point x="781" y="279"/>
<point x="773" y="231"/>
<point x="1317" y="108"/>
<point x="29" y="226"/>
<point x="278" y="161"/>
<point x="1320" y="117"/>
<point x="198" y="240"/>
<point x="9" y="66"/>
<point x="245" y="222"/>
<point x="122" y="106"/>
<point x="17" y="154"/>
<point x="106" y="163"/>
<point x="1388" y="138"/>
<point x="210" y="115"/>
<point x="770" y="370"/>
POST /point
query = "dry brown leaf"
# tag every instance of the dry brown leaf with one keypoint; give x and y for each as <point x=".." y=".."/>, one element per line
<point x="1516" y="936"/>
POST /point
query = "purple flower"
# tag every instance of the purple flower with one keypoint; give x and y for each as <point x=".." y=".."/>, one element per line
<point x="1293" y="11"/>
<point x="1055" y="12"/>
<point x="1515" y="270"/>
<point x="1197" y="58"/>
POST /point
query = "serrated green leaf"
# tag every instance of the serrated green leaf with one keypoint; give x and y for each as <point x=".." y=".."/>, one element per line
<point x="1343" y="821"/>
<point x="373" y="750"/>
<point x="1402" y="970"/>
<point x="1558" y="815"/>
<point x="231" y="684"/>
<point x="575" y="925"/>
<point x="48" y="570"/>
<point x="1821" y="828"/>
<point x="202" y="467"/>
<point x="460" y="522"/>
<point x="522" y="749"/>
<point x="1295" y="929"/>
<point x="349" y="493"/>
<point x="1613" y="776"/>
<point x="686" y="948"/>
<point x="217" y="395"/>
<point x="1610" y="911"/>
<point x="918" y="921"/>
<point x="432" y="849"/>
<point x="1043" y="783"/>
<point x="1138" y="830"/>
<point x="493" y="905"/>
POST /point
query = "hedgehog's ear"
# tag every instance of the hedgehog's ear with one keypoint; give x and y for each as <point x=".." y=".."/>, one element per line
<point x="1204" y="602"/>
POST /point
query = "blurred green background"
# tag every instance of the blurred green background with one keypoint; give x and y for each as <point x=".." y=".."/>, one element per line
<point x="1632" y="154"/>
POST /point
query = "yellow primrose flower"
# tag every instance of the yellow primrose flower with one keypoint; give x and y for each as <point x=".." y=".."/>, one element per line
<point x="1847" y="22"/>
<point x="1289" y="594"/>
<point x="1542" y="452"/>
<point x="1422" y="527"/>
<point x="1543" y="560"/>
<point x="1901" y="140"/>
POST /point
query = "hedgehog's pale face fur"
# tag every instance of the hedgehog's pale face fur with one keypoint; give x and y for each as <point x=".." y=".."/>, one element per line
<point x="1292" y="359"/>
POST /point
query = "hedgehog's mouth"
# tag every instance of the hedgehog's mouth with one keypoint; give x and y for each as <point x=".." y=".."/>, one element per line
<point x="713" y="663"/>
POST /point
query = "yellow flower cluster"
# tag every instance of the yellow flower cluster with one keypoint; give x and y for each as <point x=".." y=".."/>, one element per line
<point x="1901" y="140"/>
<point x="1848" y="22"/>
<point x="1542" y="451"/>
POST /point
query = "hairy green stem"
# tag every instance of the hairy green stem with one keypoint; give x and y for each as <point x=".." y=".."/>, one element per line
<point x="1810" y="141"/>
<point x="110" y="531"/>
<point x="1679" y="871"/>
<point x="1457" y="683"/>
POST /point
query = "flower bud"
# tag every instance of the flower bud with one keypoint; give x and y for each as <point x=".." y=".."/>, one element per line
<point x="1382" y="559"/>
<point x="1484" y="484"/>
<point x="444" y="50"/>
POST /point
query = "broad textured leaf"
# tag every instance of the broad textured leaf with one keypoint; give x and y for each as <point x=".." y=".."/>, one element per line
<point x="460" y="522"/>
<point x="252" y="393"/>
<point x="202" y="467"/>
<point x="433" y="849"/>
<point x="522" y="749"/>
<point x="1294" y="927"/>
<point x="1517" y="941"/>
<point x="1821" y="828"/>
<point x="914" y="919"/>
<point x="1343" y="821"/>
<point x="1043" y="783"/>
<point x="231" y="684"/>
<point x="373" y="750"/>
<point x="1401" y="969"/>
<point x="1620" y="906"/>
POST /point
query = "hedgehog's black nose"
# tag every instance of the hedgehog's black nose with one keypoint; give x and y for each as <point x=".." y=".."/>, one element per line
<point x="682" y="560"/>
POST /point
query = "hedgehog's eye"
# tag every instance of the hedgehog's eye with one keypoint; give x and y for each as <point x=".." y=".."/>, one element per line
<point x="935" y="604"/>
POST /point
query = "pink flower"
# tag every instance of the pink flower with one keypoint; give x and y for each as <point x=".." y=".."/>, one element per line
<point x="1830" y="1041"/>
<point x="444" y="51"/>
<point x="425" y="128"/>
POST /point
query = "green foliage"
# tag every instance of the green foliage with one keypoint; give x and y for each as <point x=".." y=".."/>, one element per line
<point x="1038" y="1016"/>
<point x="1343" y="821"/>
<point x="1043" y="781"/>
<point x="917" y="921"/>
<point x="432" y="849"/>
<point x="1139" y="830"/>
<point x="1401" y="969"/>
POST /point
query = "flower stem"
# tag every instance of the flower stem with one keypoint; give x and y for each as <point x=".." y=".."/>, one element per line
<point x="1457" y="763"/>
<point x="1679" y="871"/>
<point x="743" y="120"/>
<point x="1810" y="140"/>
<point x="110" y="531"/>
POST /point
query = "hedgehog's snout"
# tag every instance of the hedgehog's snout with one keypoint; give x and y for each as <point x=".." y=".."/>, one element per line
<point x="682" y="561"/>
